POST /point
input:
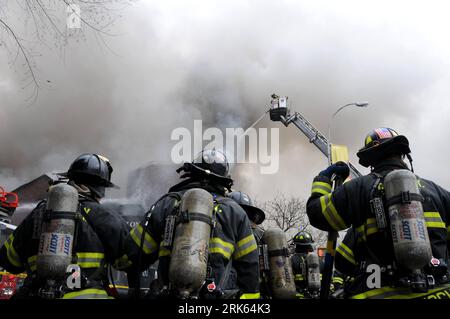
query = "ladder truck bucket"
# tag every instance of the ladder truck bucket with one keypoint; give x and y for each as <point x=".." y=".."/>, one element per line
<point x="278" y="108"/>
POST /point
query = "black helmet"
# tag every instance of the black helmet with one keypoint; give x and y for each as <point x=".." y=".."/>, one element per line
<point x="380" y="143"/>
<point x="303" y="238"/>
<point x="303" y="242"/>
<point x="210" y="164"/>
<point x="91" y="169"/>
<point x="255" y="214"/>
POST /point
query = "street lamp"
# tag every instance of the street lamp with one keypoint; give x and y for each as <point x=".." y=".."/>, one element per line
<point x="358" y="104"/>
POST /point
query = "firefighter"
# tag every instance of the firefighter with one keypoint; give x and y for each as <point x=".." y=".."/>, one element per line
<point x="231" y="238"/>
<point x="256" y="216"/>
<point x="98" y="238"/>
<point x="362" y="204"/>
<point x="303" y="242"/>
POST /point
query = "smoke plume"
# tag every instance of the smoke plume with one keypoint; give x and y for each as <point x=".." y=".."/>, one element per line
<point x="177" y="61"/>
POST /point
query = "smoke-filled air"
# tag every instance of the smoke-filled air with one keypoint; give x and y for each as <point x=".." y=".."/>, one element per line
<point x="168" y="63"/>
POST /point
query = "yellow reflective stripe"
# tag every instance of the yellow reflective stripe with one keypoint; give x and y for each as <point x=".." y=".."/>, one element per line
<point x="323" y="184"/>
<point x="406" y="293"/>
<point x="245" y="246"/>
<point x="321" y="188"/>
<point x="32" y="262"/>
<point x="396" y="293"/>
<point x="219" y="250"/>
<point x="431" y="214"/>
<point x="91" y="255"/>
<point x="149" y="244"/>
<point x="347" y="249"/>
<point x="433" y="220"/>
<point x="164" y="252"/>
<point x="340" y="222"/>
<point x="87" y="294"/>
<point x="245" y="251"/>
<point x="219" y="246"/>
<point x="89" y="264"/>
<point x="435" y="224"/>
<point x="330" y="213"/>
<point x="217" y="240"/>
<point x="11" y="253"/>
<point x="338" y="280"/>
<point x="371" y="226"/>
<point x="256" y="295"/>
<point x="372" y="293"/>
<point x="247" y="239"/>
<point x="345" y="252"/>
<point x="5" y="273"/>
<point x="118" y="286"/>
<point x="90" y="259"/>
<point x="299" y="277"/>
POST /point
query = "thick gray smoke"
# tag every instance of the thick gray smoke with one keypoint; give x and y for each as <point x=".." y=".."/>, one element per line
<point x="176" y="61"/>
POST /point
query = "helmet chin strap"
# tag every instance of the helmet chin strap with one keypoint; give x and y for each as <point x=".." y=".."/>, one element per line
<point x="410" y="161"/>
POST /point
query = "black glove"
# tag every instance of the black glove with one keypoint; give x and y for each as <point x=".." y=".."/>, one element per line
<point x="341" y="169"/>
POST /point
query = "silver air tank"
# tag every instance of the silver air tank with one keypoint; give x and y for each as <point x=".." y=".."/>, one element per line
<point x="281" y="277"/>
<point x="56" y="239"/>
<point x="189" y="257"/>
<point x="313" y="267"/>
<point x="409" y="232"/>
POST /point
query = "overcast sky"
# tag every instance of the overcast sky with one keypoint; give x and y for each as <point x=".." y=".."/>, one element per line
<point x="176" y="61"/>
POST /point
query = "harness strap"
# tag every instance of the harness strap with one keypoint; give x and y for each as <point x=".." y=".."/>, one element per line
<point x="50" y="215"/>
<point x="405" y="198"/>
<point x="279" y="252"/>
<point x="186" y="217"/>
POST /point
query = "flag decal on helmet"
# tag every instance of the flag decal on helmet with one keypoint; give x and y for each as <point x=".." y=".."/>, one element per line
<point x="384" y="133"/>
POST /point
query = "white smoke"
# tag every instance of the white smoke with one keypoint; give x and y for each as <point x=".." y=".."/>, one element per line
<point x="177" y="61"/>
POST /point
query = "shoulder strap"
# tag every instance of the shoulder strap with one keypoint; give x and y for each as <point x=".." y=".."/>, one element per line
<point x="377" y="202"/>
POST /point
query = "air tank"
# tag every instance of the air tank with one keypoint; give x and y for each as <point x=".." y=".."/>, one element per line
<point x="313" y="267"/>
<point x="412" y="247"/>
<point x="189" y="257"/>
<point x="281" y="277"/>
<point x="56" y="239"/>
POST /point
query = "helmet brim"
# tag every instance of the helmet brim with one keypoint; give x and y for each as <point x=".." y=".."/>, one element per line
<point x="221" y="179"/>
<point x="396" y="145"/>
<point x="255" y="214"/>
<point x="97" y="181"/>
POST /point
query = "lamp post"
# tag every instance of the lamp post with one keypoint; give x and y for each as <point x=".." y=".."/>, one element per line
<point x="358" y="104"/>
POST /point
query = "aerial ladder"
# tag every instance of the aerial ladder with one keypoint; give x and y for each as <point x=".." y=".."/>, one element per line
<point x="279" y="112"/>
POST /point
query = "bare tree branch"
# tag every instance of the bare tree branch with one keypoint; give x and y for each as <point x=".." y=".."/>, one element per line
<point x="22" y="50"/>
<point x="289" y="214"/>
<point x="49" y="24"/>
